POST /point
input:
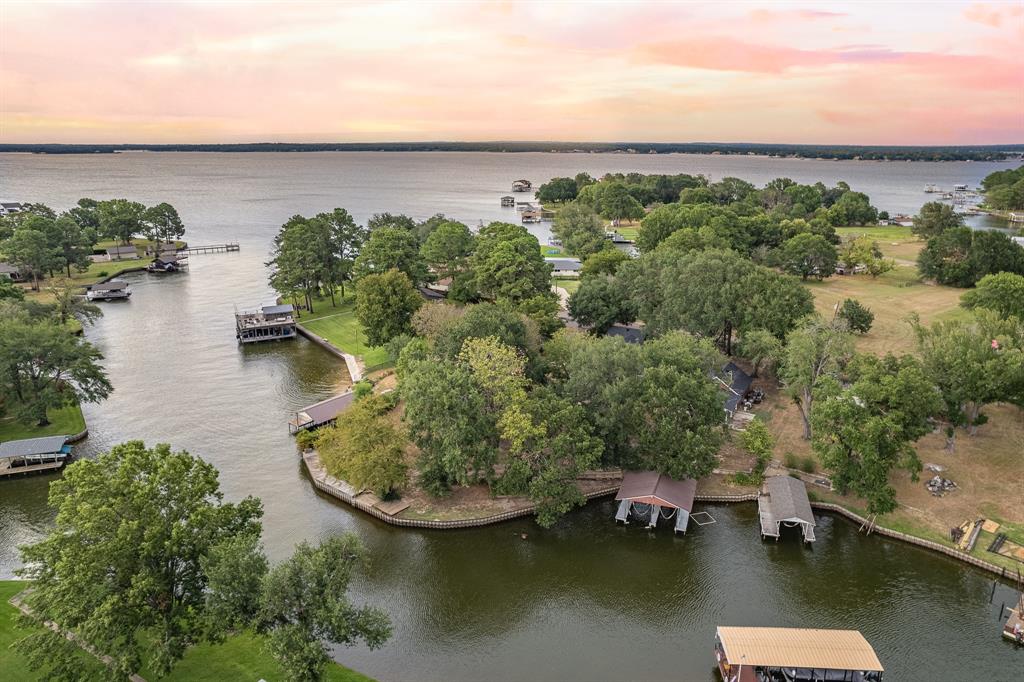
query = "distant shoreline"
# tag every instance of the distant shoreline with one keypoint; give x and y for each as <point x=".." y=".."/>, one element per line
<point x="820" y="152"/>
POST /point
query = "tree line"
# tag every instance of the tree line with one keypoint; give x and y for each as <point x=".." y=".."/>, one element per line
<point x="39" y="242"/>
<point x="1004" y="189"/>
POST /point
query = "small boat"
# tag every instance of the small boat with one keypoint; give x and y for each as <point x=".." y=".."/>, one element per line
<point x="931" y="189"/>
<point x="112" y="290"/>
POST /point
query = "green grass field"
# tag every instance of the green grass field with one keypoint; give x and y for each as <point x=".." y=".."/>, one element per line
<point x="338" y="324"/>
<point x="549" y="251"/>
<point x="65" y="421"/>
<point x="241" y="657"/>
<point x="570" y="284"/>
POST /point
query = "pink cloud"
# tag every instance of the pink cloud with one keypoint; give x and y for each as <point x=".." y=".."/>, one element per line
<point x="764" y="16"/>
<point x="994" y="15"/>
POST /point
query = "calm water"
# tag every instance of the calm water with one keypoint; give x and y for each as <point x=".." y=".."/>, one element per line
<point x="584" y="601"/>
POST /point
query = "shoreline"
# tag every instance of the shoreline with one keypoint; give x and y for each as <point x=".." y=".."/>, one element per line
<point x="344" y="492"/>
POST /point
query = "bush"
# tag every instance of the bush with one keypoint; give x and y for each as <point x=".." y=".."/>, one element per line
<point x="305" y="439"/>
<point x="858" y="316"/>
<point x="808" y="465"/>
<point x="362" y="389"/>
<point x="102" y="273"/>
<point x="790" y="460"/>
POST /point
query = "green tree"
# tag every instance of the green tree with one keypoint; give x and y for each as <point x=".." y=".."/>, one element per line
<point x="580" y="230"/>
<point x="542" y="310"/>
<point x="29" y="250"/>
<point x="814" y="354"/>
<point x="381" y="221"/>
<point x="447" y="249"/>
<point x="618" y="204"/>
<point x="385" y="304"/>
<point x="960" y="256"/>
<point x="161" y="223"/>
<point x="863" y="431"/>
<point x="808" y="255"/>
<point x="934" y="218"/>
<point x="296" y="266"/>
<point x="342" y="240"/>
<point x="69" y="304"/>
<point x="365" y="449"/>
<point x="558" y="190"/>
<point x="863" y="251"/>
<point x="136" y="524"/>
<point x="762" y="348"/>
<point x="305" y="607"/>
<point x="9" y="291"/>
<point x="120" y="219"/>
<point x="507" y="264"/>
<point x="44" y="367"/>
<point x="858" y="317"/>
<point x="447" y="419"/>
<point x="500" y="371"/>
<point x="973" y="363"/>
<point x="73" y="243"/>
<point x="604" y="262"/>
<point x="86" y="214"/>
<point x="600" y="303"/>
<point x="480" y="321"/>
<point x="388" y="248"/>
<point x="1002" y="292"/>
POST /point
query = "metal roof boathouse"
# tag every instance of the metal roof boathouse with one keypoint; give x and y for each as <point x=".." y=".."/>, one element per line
<point x="783" y="501"/>
<point x="323" y="412"/>
<point x="795" y="655"/>
<point x="33" y="454"/>
<point x="646" y="494"/>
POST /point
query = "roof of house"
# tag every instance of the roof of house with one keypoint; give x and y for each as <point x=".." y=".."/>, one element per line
<point x="8" y="269"/>
<point x="650" y="487"/>
<point x="47" y="445"/>
<point x="572" y="264"/>
<point x="12" y="205"/>
<point x="112" y="285"/>
<point x="122" y="248"/>
<point x="787" y="499"/>
<point x="431" y="294"/>
<point x="739" y="384"/>
<point x="286" y="309"/>
<point x="799" y="648"/>
<point x="628" y="334"/>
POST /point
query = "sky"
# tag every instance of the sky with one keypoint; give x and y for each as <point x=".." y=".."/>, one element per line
<point x="789" y="72"/>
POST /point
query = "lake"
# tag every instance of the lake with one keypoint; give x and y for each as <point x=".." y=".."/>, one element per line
<point x="586" y="600"/>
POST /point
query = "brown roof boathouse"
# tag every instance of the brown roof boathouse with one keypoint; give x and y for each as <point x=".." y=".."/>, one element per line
<point x="646" y="495"/>
<point x="795" y="655"/>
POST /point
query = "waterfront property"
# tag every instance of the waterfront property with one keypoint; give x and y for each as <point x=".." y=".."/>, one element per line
<point x="321" y="413"/>
<point x="564" y="267"/>
<point x="11" y="207"/>
<point x="532" y="215"/>
<point x="783" y="501"/>
<point x="33" y="454"/>
<point x="122" y="252"/>
<point x="746" y="654"/>
<point x="1013" y="628"/>
<point x="109" y="291"/>
<point x="167" y="262"/>
<point x="508" y="200"/>
<point x="522" y="186"/>
<point x="736" y="389"/>
<point x="646" y="494"/>
<point x="268" y="323"/>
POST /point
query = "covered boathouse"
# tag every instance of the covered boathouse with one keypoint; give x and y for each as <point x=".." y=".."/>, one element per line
<point x="33" y="454"/>
<point x="269" y="323"/>
<point x="321" y="413"/>
<point x="795" y="655"/>
<point x="783" y="502"/>
<point x="648" y="495"/>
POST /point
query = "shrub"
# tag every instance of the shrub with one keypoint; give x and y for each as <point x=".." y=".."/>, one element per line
<point x="808" y="465"/>
<point x="305" y="439"/>
<point x="790" y="460"/>
<point x="857" y="316"/>
<point x="102" y="273"/>
<point x="362" y="389"/>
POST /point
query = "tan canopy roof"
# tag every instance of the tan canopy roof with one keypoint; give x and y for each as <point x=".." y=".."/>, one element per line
<point x="799" y="648"/>
<point x="650" y="487"/>
<point x="787" y="499"/>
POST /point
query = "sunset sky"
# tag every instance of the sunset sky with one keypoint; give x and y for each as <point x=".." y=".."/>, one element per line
<point x="845" y="73"/>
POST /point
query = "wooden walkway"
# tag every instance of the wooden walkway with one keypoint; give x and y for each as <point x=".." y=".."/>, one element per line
<point x="211" y="248"/>
<point x="7" y="470"/>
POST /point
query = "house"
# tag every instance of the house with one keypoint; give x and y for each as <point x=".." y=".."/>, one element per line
<point x="11" y="272"/>
<point x="122" y="252"/>
<point x="11" y="207"/>
<point x="268" y="323"/>
<point x="736" y="389"/>
<point x="108" y="291"/>
<point x="522" y="186"/>
<point x="749" y="654"/>
<point x="627" y="332"/>
<point x="564" y="267"/>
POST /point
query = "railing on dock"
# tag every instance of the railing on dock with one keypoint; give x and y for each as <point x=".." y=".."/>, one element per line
<point x="211" y="248"/>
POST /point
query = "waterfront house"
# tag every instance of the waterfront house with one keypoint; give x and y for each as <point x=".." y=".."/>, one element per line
<point x="108" y="291"/>
<point x="122" y="252"/>
<point x="33" y="454"/>
<point x="749" y="654"/>
<point x="783" y="501"/>
<point x="564" y="267"/>
<point x="645" y="494"/>
<point x="736" y="389"/>
<point x="522" y="186"/>
<point x="268" y="323"/>
<point x="10" y="207"/>
<point x="11" y="272"/>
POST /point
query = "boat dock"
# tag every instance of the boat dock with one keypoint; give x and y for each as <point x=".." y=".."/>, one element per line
<point x="753" y="654"/>
<point x="33" y="455"/>
<point x="783" y="501"/>
<point x="211" y="248"/>
<point x="321" y="413"/>
<point x="645" y="494"/>
<point x="269" y="323"/>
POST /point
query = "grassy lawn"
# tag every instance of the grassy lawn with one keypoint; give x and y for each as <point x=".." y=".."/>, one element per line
<point x="549" y="251"/>
<point x="240" y="658"/>
<point x="570" y="284"/>
<point x="891" y="297"/>
<point x="338" y="324"/>
<point x="628" y="230"/>
<point x="894" y="241"/>
<point x="64" y="421"/>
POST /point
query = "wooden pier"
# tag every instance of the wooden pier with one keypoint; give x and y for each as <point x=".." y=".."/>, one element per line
<point x="211" y="248"/>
